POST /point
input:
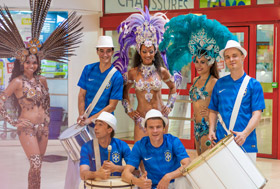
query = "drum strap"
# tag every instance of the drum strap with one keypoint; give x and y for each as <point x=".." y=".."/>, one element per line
<point x="96" y="154"/>
<point x="238" y="101"/>
<point x="236" y="105"/>
<point x="99" y="92"/>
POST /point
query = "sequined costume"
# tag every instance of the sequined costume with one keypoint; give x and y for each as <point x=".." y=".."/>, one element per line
<point x="196" y="93"/>
<point x="34" y="94"/>
<point x="201" y="129"/>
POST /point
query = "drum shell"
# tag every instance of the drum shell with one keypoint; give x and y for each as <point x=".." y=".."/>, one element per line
<point x="224" y="166"/>
<point x="112" y="182"/>
<point x="74" y="143"/>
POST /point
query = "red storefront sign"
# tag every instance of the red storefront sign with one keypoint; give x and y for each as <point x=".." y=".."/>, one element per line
<point x="10" y="67"/>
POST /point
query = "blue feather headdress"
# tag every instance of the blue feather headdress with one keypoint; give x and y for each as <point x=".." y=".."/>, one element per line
<point x="136" y="30"/>
<point x="189" y="36"/>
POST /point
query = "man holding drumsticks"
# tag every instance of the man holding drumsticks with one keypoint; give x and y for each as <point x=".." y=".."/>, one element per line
<point x="91" y="86"/>
<point x="224" y="97"/>
<point x="161" y="154"/>
<point x="110" y="148"/>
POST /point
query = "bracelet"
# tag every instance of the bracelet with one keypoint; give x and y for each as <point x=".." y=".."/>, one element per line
<point x="171" y="100"/>
<point x="127" y="107"/>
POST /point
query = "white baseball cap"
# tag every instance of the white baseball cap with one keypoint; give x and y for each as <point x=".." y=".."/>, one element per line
<point x="153" y="113"/>
<point x="108" y="118"/>
<point x="232" y="44"/>
<point x="105" y="41"/>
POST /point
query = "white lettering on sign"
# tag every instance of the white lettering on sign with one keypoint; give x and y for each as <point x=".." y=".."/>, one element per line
<point x="120" y="6"/>
<point x="171" y="4"/>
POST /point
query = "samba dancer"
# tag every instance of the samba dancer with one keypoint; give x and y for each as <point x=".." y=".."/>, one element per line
<point x="202" y="41"/>
<point x="148" y="71"/>
<point x="90" y="81"/>
<point x="27" y="87"/>
<point x="105" y="127"/>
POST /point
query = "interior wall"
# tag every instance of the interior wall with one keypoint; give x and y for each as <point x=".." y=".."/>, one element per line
<point x="86" y="54"/>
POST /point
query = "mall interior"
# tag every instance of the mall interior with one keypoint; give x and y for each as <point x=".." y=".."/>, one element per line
<point x="256" y="24"/>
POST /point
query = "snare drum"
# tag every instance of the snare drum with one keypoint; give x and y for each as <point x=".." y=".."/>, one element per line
<point x="112" y="182"/>
<point x="224" y="166"/>
<point x="73" y="138"/>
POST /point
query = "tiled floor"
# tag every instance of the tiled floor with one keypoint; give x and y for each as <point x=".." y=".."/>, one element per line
<point x="14" y="167"/>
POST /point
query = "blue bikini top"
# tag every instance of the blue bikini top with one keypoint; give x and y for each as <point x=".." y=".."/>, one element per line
<point x="196" y="93"/>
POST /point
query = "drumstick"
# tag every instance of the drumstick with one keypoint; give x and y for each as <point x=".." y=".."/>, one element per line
<point x="109" y="152"/>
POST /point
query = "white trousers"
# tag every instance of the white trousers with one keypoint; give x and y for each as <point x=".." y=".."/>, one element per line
<point x="252" y="156"/>
<point x="72" y="179"/>
<point x="180" y="183"/>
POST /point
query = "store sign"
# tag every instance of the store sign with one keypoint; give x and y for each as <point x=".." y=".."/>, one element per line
<point x="156" y="5"/>
<point x="223" y="3"/>
<point x="120" y="6"/>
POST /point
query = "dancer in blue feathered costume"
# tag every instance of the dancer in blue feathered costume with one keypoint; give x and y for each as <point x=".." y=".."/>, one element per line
<point x="195" y="38"/>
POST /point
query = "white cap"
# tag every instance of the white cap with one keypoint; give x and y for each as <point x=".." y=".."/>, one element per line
<point x="152" y="114"/>
<point x="105" y="41"/>
<point x="232" y="44"/>
<point x="108" y="118"/>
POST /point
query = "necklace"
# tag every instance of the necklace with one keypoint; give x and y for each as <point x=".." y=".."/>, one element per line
<point x="147" y="71"/>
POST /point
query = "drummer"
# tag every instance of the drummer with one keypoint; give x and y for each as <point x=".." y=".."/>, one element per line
<point x="105" y="127"/>
<point x="90" y="81"/>
<point x="223" y="100"/>
<point x="161" y="154"/>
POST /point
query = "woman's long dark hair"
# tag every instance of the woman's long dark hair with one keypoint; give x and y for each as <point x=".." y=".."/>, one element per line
<point x="17" y="71"/>
<point x="214" y="69"/>
<point x="158" y="61"/>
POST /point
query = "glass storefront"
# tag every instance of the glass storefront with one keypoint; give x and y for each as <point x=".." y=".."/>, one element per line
<point x="265" y="53"/>
<point x="264" y="129"/>
<point x="223" y="3"/>
<point x="264" y="74"/>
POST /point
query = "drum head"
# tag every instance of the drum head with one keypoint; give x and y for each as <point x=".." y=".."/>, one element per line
<point x="71" y="131"/>
<point x="112" y="182"/>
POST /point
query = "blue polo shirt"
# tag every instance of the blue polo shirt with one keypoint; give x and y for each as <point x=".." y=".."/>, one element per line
<point x="223" y="99"/>
<point x="92" y="79"/>
<point x="119" y="151"/>
<point x="158" y="161"/>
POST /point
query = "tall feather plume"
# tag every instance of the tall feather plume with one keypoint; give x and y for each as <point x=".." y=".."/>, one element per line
<point x="39" y="10"/>
<point x="128" y="35"/>
<point x="63" y="40"/>
<point x="10" y="39"/>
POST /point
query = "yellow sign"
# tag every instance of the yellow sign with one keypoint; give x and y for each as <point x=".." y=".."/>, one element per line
<point x="26" y="21"/>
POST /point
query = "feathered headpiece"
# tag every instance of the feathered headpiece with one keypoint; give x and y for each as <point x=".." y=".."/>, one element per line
<point x="136" y="30"/>
<point x="189" y="36"/>
<point x="59" y="45"/>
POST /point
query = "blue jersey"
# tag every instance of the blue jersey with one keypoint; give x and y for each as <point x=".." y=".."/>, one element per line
<point x="223" y="99"/>
<point x="92" y="79"/>
<point x="158" y="161"/>
<point x="119" y="150"/>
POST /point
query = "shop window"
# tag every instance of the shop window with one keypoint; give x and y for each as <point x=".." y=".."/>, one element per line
<point x="223" y="3"/>
<point x="264" y="129"/>
<point x="265" y="53"/>
<point x="121" y="6"/>
<point x="261" y="2"/>
<point x="158" y="5"/>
